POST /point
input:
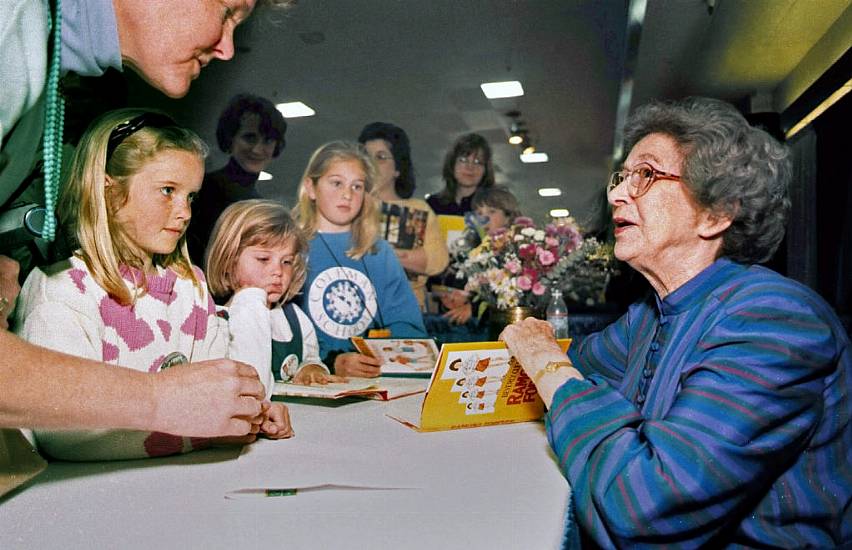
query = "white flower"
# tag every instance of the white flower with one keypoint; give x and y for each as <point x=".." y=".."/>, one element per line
<point x="529" y="232"/>
<point x="539" y="234"/>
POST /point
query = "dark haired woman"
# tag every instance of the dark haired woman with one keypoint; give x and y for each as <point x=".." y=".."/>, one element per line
<point x="425" y="252"/>
<point x="252" y="131"/>
<point x="467" y="167"/>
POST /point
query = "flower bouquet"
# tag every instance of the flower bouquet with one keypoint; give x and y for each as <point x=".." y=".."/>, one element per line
<point x="518" y="266"/>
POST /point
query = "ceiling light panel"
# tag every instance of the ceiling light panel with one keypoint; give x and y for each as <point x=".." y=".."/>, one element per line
<point x="532" y="158"/>
<point x="295" y="109"/>
<point x="497" y="90"/>
<point x="549" y="192"/>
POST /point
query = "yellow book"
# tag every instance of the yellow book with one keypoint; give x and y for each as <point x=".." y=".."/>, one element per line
<point x="452" y="227"/>
<point x="474" y="384"/>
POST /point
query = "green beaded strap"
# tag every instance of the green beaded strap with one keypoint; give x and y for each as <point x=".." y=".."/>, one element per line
<point x="54" y="115"/>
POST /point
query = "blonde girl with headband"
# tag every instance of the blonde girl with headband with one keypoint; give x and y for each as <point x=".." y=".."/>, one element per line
<point x="129" y="295"/>
<point x="256" y="263"/>
<point x="355" y="284"/>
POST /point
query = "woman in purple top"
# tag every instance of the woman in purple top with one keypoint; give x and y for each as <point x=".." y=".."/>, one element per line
<point x="715" y="412"/>
<point x="467" y="167"/>
<point x="252" y="131"/>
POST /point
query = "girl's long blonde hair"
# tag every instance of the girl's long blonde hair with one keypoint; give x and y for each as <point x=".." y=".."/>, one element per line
<point x="87" y="206"/>
<point x="365" y="226"/>
<point x="253" y="222"/>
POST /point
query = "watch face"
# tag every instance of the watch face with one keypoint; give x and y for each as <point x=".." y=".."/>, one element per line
<point x="554" y="366"/>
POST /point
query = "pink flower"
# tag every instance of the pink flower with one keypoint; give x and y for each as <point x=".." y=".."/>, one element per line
<point x="524" y="282"/>
<point x="532" y="274"/>
<point x="524" y="221"/>
<point x="527" y="251"/>
<point x="538" y="289"/>
<point x="513" y="267"/>
<point x="545" y="257"/>
<point x="551" y="242"/>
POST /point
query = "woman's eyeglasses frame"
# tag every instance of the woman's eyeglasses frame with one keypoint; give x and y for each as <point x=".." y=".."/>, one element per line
<point x="638" y="183"/>
<point x="465" y="161"/>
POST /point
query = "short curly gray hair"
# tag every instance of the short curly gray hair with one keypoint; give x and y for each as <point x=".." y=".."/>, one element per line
<point x="730" y="167"/>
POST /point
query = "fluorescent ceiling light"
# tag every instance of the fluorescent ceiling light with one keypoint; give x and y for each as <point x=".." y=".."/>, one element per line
<point x="264" y="176"/>
<point x="534" y="157"/>
<point x="559" y="213"/>
<point x="496" y="90"/>
<point x="516" y="139"/>
<point x="295" y="109"/>
<point x="549" y="192"/>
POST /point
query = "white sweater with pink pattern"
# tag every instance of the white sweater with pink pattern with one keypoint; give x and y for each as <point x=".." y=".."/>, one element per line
<point x="63" y="308"/>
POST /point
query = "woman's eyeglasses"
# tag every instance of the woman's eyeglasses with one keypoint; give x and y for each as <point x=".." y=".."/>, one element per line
<point x="464" y="161"/>
<point x="125" y="129"/>
<point x="382" y="156"/>
<point x="639" y="180"/>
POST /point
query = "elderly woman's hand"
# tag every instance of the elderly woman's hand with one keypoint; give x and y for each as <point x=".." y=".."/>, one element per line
<point x="9" y="288"/>
<point x="533" y="344"/>
<point x="532" y="341"/>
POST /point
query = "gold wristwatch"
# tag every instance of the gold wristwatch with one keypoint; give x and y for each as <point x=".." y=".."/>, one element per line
<point x="551" y="367"/>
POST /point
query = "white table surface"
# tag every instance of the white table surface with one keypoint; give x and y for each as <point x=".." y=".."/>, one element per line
<point x="495" y="487"/>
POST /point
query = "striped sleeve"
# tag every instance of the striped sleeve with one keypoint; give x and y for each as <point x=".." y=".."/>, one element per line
<point x="604" y="353"/>
<point x="749" y="400"/>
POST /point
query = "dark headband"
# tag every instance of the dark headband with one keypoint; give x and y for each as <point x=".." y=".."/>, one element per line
<point x="129" y="127"/>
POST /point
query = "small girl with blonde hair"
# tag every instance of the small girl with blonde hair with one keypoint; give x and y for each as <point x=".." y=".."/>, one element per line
<point x="129" y="295"/>
<point x="256" y="262"/>
<point x="355" y="284"/>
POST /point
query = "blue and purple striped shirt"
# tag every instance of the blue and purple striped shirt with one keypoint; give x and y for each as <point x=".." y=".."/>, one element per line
<point x="718" y="416"/>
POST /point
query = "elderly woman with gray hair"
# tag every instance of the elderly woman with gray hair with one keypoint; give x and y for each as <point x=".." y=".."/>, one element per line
<point x="716" y="411"/>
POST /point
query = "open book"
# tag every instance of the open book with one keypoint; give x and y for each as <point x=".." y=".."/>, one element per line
<point x="416" y="356"/>
<point x="383" y="389"/>
<point x="474" y="384"/>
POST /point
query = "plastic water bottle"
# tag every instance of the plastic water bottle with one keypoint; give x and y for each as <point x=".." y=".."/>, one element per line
<point x="557" y="314"/>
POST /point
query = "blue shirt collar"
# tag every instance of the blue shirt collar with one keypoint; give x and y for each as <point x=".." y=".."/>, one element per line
<point x="89" y="37"/>
<point x="698" y="289"/>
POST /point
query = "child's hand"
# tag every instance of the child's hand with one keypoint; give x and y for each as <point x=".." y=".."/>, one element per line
<point x="315" y="374"/>
<point x="356" y="364"/>
<point x="276" y="425"/>
<point x="255" y="426"/>
<point x="460" y="314"/>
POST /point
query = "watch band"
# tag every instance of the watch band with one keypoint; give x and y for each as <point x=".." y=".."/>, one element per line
<point x="551" y="367"/>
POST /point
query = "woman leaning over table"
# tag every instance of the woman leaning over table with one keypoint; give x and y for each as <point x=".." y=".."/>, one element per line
<point x="716" y="411"/>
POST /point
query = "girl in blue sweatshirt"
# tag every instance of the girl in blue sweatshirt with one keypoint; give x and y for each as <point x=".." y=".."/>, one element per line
<point x="355" y="285"/>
